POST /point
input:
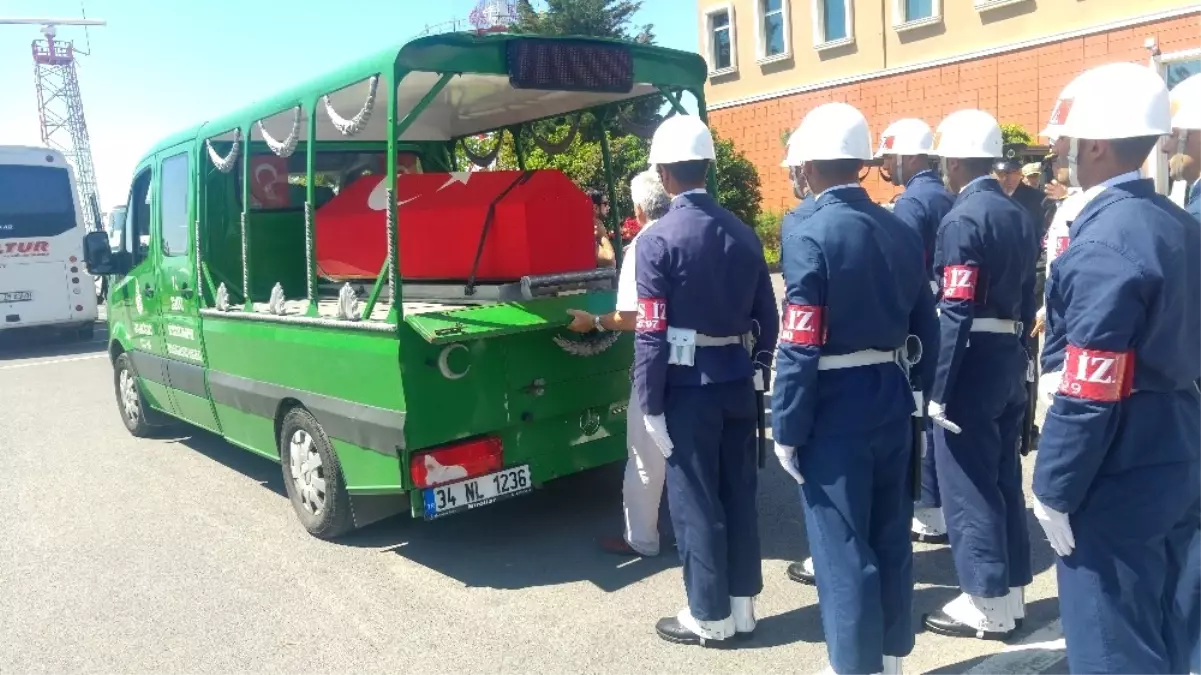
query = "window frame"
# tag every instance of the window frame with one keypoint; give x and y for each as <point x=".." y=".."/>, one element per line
<point x="818" y="10"/>
<point x="901" y="21"/>
<point x="710" y="43"/>
<point x="133" y="236"/>
<point x="761" y="32"/>
<point x="986" y="5"/>
<point x="165" y="242"/>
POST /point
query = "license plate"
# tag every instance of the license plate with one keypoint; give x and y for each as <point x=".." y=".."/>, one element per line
<point x="444" y="500"/>
<point x="16" y="296"/>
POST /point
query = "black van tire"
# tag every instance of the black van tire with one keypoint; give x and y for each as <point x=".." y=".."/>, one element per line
<point x="140" y="419"/>
<point x="332" y="518"/>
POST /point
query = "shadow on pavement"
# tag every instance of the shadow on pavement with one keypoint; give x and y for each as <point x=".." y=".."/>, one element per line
<point x="46" y="342"/>
<point x="1021" y="658"/>
<point x="212" y="446"/>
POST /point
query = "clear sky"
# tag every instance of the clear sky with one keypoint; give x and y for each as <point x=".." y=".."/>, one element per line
<point x="162" y="65"/>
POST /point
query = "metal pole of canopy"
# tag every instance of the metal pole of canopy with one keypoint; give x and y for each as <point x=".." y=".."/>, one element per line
<point x="607" y="160"/>
<point x="674" y="99"/>
<point x="247" y="295"/>
<point x="310" y="201"/>
<point x="395" y="130"/>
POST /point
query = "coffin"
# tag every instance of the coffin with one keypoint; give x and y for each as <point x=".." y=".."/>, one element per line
<point x="542" y="224"/>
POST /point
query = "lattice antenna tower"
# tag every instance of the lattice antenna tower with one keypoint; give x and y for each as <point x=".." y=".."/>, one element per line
<point x="60" y="106"/>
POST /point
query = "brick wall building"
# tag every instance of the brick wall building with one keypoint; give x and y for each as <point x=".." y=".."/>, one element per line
<point x="1016" y="81"/>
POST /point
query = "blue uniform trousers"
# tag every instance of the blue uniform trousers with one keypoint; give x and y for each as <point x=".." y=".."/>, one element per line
<point x="980" y="472"/>
<point x="1125" y="591"/>
<point x="712" y="476"/>
<point x="859" y="505"/>
<point x="929" y="497"/>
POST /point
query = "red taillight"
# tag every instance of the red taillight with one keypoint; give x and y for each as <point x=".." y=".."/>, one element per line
<point x="456" y="462"/>
<point x="78" y="308"/>
<point x="73" y="259"/>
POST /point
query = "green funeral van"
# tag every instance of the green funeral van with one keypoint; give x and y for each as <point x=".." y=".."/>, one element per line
<point x="315" y="278"/>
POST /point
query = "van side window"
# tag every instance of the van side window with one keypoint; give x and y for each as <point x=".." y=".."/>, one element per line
<point x="173" y="204"/>
<point x="137" y="218"/>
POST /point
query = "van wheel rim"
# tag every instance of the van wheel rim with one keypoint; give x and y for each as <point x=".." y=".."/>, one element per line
<point x="308" y="476"/>
<point x="130" y="404"/>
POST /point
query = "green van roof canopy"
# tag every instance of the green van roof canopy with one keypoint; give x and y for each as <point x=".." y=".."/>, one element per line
<point x="480" y="97"/>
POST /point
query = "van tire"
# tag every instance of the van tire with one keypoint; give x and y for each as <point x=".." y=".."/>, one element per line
<point x="140" y="419"/>
<point x="331" y="518"/>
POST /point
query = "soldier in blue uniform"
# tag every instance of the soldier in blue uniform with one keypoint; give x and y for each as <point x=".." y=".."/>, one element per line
<point x="1117" y="480"/>
<point x="906" y="146"/>
<point x="842" y="405"/>
<point x="706" y="332"/>
<point x="985" y="255"/>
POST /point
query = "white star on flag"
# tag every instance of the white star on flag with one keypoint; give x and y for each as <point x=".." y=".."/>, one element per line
<point x="456" y="177"/>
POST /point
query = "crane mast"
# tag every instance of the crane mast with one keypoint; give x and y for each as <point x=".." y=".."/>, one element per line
<point x="60" y="105"/>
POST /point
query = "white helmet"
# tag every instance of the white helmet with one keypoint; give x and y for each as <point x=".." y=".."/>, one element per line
<point x="1116" y="100"/>
<point x="681" y="138"/>
<point x="908" y="136"/>
<point x="968" y="133"/>
<point x="830" y="131"/>
<point x="1185" y="101"/>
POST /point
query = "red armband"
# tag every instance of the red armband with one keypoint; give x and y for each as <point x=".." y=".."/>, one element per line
<point x="1097" y="375"/>
<point x="1061" y="245"/>
<point x="959" y="282"/>
<point x="803" y="325"/>
<point x="652" y="315"/>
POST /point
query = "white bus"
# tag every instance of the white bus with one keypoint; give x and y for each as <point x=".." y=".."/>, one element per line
<point x="43" y="282"/>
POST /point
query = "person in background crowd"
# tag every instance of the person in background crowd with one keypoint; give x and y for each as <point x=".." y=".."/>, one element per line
<point x="705" y="335"/>
<point x="1009" y="174"/>
<point x="1031" y="174"/>
<point x="605" y="257"/>
<point x="842" y="405"/>
<point x="1184" y="163"/>
<point x="906" y="146"/>
<point x="1117" y="483"/>
<point x="642" y="488"/>
<point x="985" y="256"/>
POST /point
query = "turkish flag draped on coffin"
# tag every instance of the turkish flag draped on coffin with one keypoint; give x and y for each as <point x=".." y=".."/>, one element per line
<point x="542" y="225"/>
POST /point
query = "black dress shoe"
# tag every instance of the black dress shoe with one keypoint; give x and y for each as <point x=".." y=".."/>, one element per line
<point x="670" y="629"/>
<point x="797" y="572"/>
<point x="940" y="622"/>
<point x="929" y="538"/>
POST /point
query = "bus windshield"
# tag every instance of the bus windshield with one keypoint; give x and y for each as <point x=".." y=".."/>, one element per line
<point x="35" y="201"/>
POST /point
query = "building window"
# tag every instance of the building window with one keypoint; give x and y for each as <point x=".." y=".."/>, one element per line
<point x="984" y="5"/>
<point x="722" y="45"/>
<point x="908" y="14"/>
<point x="772" y="31"/>
<point x="833" y="23"/>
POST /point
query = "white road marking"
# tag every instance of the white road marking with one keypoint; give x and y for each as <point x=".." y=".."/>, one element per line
<point x="1040" y="650"/>
<point x="53" y="361"/>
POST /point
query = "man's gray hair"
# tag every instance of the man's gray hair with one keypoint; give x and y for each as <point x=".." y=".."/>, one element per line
<point x="647" y="192"/>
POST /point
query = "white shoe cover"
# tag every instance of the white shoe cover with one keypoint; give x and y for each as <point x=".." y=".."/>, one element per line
<point x="892" y="665"/>
<point x="929" y="521"/>
<point x="986" y="615"/>
<point x="707" y="630"/>
<point x="1017" y="602"/>
<point x="743" y="611"/>
<point x="807" y="565"/>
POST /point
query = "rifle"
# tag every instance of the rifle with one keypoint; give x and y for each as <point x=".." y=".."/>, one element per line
<point x="917" y="428"/>
<point x="1031" y="409"/>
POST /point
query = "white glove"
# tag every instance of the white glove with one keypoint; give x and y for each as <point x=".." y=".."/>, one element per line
<point x="1030" y="370"/>
<point x="1057" y="526"/>
<point x="787" y="456"/>
<point x="1048" y="386"/>
<point x="656" y="426"/>
<point x="938" y="415"/>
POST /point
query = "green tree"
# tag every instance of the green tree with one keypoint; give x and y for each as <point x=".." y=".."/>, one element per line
<point x="1014" y="133"/>
<point x="592" y="18"/>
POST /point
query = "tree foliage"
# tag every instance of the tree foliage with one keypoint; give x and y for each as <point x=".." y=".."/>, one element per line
<point x="592" y="18"/>
<point x="1014" y="133"/>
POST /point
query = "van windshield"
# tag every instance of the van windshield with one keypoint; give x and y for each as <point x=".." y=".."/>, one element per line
<point x="35" y="201"/>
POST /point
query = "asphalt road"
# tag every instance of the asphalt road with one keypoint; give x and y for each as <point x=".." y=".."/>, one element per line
<point x="182" y="554"/>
